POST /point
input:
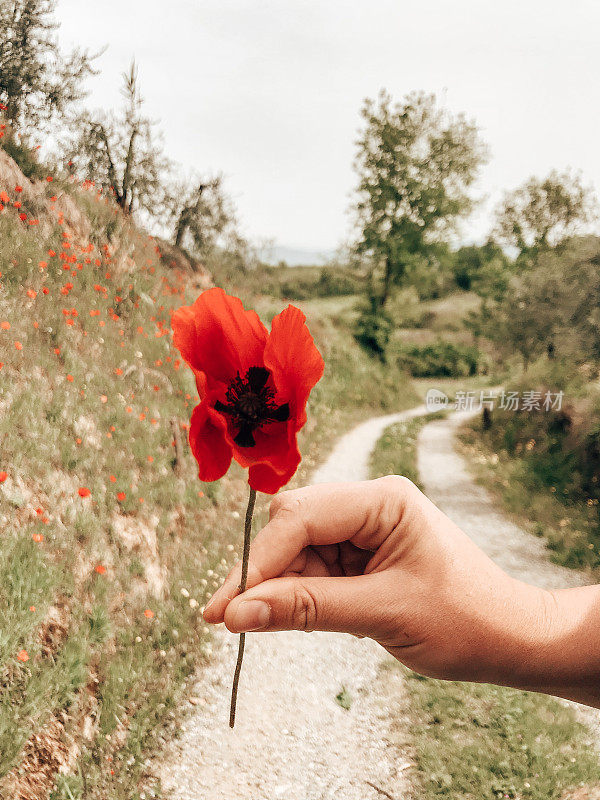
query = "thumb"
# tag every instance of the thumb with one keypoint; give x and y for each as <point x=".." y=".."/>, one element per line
<point x="349" y="605"/>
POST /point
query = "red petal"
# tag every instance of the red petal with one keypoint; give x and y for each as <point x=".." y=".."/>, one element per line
<point x="273" y="459"/>
<point x="218" y="336"/>
<point x="209" y="444"/>
<point x="264" y="479"/>
<point x="294" y="361"/>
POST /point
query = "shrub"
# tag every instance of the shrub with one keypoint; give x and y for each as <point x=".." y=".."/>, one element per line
<point x="373" y="328"/>
<point x="440" y="360"/>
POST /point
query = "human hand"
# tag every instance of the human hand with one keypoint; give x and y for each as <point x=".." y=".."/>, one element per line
<point x="378" y="559"/>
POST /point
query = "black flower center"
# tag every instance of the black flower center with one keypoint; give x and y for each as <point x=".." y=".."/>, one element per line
<point x="249" y="402"/>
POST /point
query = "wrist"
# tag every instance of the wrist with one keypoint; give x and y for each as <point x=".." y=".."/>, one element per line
<point x="549" y="642"/>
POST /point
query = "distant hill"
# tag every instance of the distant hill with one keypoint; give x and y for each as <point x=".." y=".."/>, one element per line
<point x="295" y="256"/>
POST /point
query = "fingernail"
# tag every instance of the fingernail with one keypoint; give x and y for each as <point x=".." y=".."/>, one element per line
<point x="252" y="615"/>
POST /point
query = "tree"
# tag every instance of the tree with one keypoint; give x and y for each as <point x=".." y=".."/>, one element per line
<point x="121" y="153"/>
<point x="547" y="309"/>
<point x="37" y="82"/>
<point x="542" y="214"/>
<point x="203" y="216"/>
<point x="470" y="264"/>
<point x="415" y="163"/>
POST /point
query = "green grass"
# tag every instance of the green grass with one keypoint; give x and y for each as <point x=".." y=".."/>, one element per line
<point x="481" y="742"/>
<point x="396" y="450"/>
<point x="90" y="404"/>
<point x="476" y="741"/>
<point x="344" y="699"/>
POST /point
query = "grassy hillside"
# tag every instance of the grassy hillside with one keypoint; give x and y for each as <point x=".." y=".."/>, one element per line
<point x="110" y="544"/>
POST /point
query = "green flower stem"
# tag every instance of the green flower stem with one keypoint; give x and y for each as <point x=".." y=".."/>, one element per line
<point x="245" y="557"/>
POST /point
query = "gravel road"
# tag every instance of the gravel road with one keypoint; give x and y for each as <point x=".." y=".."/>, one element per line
<point x="445" y="480"/>
<point x="292" y="740"/>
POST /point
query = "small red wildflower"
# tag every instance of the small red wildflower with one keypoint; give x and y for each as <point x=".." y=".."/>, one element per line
<point x="83" y="491"/>
<point x="3" y="476"/>
<point x="148" y="613"/>
<point x="100" y="569"/>
<point x="23" y="656"/>
<point x="38" y="537"/>
<point x="121" y="496"/>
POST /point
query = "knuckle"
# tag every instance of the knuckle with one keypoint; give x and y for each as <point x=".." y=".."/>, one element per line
<point x="285" y="503"/>
<point x="397" y="484"/>
<point x="396" y="495"/>
<point x="304" y="610"/>
<point x="290" y="510"/>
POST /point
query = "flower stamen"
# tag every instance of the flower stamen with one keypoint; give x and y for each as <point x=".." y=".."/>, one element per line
<point x="249" y="402"/>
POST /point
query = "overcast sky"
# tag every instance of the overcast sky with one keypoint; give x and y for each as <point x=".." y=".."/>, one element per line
<point x="269" y="91"/>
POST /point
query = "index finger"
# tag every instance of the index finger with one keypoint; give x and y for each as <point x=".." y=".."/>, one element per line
<point x="364" y="513"/>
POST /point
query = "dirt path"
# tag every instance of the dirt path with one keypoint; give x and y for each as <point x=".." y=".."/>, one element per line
<point x="446" y="481"/>
<point x="292" y="740"/>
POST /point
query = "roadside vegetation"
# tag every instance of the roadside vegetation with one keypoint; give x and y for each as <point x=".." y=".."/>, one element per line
<point x="474" y="740"/>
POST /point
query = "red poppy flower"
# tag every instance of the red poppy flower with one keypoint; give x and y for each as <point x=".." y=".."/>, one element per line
<point x="83" y="491"/>
<point x="253" y="387"/>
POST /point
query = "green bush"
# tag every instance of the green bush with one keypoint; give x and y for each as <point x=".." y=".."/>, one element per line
<point x="440" y="360"/>
<point x="373" y="328"/>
